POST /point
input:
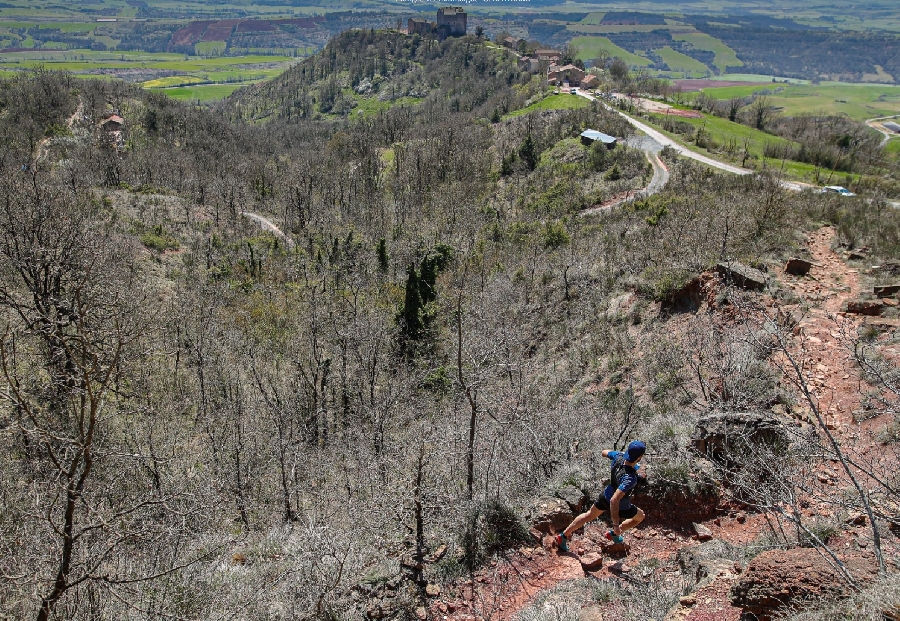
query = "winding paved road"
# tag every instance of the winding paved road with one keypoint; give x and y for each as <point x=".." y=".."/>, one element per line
<point x="887" y="135"/>
<point x="665" y="141"/>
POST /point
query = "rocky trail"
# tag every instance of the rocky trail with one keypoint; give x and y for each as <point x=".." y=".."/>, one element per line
<point x="529" y="574"/>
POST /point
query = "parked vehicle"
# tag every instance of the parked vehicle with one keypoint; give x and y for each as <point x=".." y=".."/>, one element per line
<point x="836" y="189"/>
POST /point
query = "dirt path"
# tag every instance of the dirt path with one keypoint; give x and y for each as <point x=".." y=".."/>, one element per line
<point x="830" y="368"/>
<point x="270" y="226"/>
<point x="40" y="150"/>
<point x="657" y="183"/>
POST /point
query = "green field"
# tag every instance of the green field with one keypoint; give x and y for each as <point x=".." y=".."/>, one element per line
<point x="597" y="29"/>
<point x="553" y="102"/>
<point x="210" y="48"/>
<point x="682" y="62"/>
<point x="858" y="101"/>
<point x="593" y="19"/>
<point x="372" y="105"/>
<point x="590" y="47"/>
<point x="725" y="56"/>
<point x="203" y="93"/>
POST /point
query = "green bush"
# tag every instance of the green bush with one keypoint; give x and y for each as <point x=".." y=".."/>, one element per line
<point x="491" y="529"/>
<point x="158" y="240"/>
<point x="822" y="529"/>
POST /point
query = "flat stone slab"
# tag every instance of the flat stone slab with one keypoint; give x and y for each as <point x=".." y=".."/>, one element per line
<point x="592" y="561"/>
<point x="885" y="291"/>
<point x="741" y="275"/>
<point x="872" y="308"/>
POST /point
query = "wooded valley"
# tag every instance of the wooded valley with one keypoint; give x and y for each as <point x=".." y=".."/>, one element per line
<point x="206" y="419"/>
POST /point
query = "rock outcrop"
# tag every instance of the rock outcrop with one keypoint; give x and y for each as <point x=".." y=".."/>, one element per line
<point x="777" y="578"/>
<point x="716" y="435"/>
<point x="550" y="515"/>
<point x="741" y="275"/>
<point x="693" y="500"/>
<point x="884" y="291"/>
<point x="697" y="560"/>
<point x="871" y="308"/>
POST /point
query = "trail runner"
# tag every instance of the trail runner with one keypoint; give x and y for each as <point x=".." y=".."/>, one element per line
<point x="616" y="498"/>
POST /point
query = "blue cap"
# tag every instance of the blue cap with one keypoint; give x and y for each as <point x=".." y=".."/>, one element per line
<point x="635" y="450"/>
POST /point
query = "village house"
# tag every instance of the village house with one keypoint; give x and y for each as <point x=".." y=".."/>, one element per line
<point x="589" y="81"/>
<point x="111" y="128"/>
<point x="530" y="64"/>
<point x="549" y="56"/>
<point x="565" y="75"/>
<point x="512" y="43"/>
<point x="112" y="123"/>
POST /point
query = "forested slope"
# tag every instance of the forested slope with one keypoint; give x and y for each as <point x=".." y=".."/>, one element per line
<point x="204" y="422"/>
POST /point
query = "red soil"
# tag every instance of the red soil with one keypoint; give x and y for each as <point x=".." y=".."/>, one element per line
<point x="190" y="34"/>
<point x="220" y="31"/>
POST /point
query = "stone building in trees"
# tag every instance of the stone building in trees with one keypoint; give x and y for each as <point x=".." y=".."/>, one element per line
<point x="451" y="22"/>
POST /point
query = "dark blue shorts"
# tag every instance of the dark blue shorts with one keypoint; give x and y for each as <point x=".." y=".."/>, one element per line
<point x="624" y="514"/>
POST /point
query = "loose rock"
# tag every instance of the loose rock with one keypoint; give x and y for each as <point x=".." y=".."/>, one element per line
<point x="798" y="267"/>
<point x="741" y="275"/>
<point x="703" y="533"/>
<point x="592" y="561"/>
<point x="432" y="590"/>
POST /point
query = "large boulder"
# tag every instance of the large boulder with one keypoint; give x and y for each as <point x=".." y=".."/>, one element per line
<point x="574" y="497"/>
<point x="798" y="267"/>
<point x="741" y="275"/>
<point x="716" y="435"/>
<point x="696" y="560"/>
<point x="550" y="515"/>
<point x="778" y="578"/>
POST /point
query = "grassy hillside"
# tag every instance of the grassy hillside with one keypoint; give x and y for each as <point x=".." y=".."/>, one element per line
<point x="590" y="47"/>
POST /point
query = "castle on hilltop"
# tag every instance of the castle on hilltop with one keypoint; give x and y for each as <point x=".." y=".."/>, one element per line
<point x="451" y="22"/>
